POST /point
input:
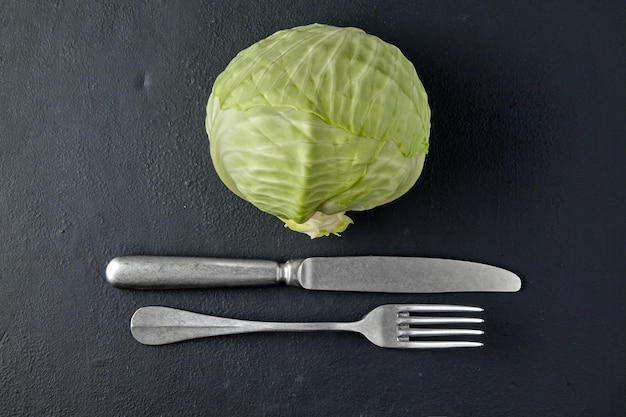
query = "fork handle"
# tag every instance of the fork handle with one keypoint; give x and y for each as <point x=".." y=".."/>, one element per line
<point x="157" y="325"/>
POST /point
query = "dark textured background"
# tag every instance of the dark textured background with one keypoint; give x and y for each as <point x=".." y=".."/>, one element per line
<point x="103" y="153"/>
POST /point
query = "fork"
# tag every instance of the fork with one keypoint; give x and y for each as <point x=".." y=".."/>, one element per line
<point x="388" y="326"/>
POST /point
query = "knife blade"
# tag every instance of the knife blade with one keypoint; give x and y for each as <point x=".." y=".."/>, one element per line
<point x="389" y="274"/>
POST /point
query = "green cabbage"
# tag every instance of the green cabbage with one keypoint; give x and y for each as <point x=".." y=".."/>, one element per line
<point x="315" y="121"/>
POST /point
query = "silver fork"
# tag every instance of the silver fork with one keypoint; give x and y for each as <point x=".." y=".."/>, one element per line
<point x="389" y="326"/>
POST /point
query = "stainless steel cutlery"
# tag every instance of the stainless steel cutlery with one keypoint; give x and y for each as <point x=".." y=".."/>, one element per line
<point x="391" y="274"/>
<point x="402" y="326"/>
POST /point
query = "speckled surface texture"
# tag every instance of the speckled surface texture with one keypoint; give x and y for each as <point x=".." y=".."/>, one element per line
<point x="103" y="153"/>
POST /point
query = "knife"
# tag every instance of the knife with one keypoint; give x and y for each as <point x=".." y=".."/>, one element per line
<point x="390" y="274"/>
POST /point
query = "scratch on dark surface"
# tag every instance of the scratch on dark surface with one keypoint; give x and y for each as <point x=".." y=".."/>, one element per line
<point x="3" y="335"/>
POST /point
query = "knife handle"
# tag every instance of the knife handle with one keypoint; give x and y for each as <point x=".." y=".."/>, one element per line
<point x="168" y="272"/>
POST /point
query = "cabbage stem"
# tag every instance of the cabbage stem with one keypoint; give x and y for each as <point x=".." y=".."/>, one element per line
<point x="321" y="224"/>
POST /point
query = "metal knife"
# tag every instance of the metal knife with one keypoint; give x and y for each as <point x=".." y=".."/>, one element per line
<point x="389" y="274"/>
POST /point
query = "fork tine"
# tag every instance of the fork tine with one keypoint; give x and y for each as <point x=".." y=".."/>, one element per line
<point x="439" y="345"/>
<point x="432" y="308"/>
<point x="405" y="334"/>
<point x="406" y="321"/>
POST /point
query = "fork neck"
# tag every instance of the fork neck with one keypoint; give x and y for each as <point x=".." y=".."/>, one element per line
<point x="304" y="327"/>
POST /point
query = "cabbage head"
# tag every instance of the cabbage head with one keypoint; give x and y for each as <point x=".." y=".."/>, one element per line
<point x="318" y="120"/>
